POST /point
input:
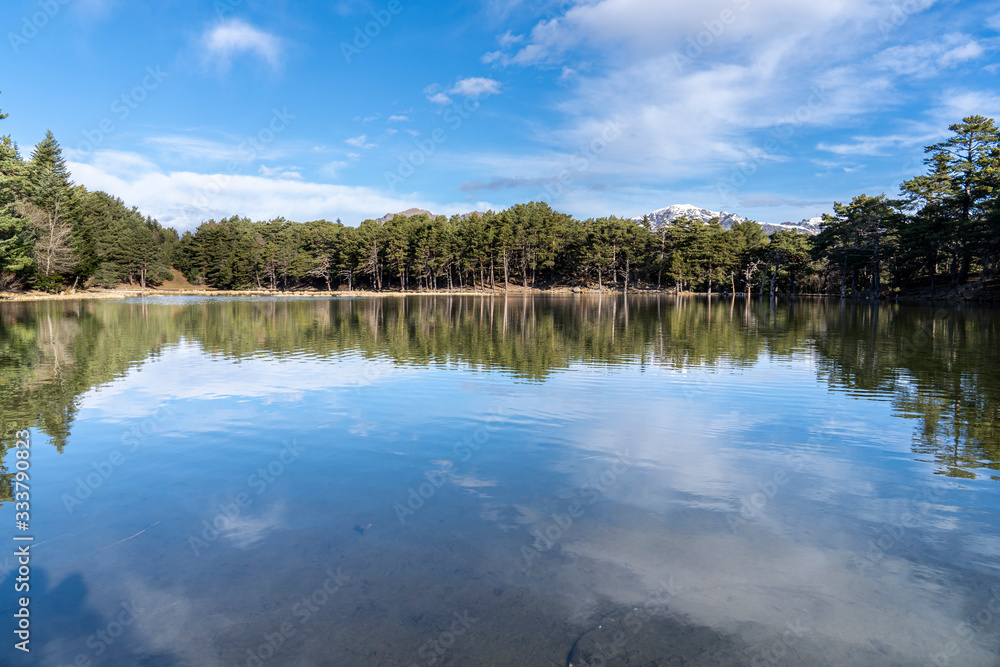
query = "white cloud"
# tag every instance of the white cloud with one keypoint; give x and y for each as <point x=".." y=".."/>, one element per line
<point x="184" y="199"/>
<point x="359" y="142"/>
<point x="955" y="104"/>
<point x="236" y="37"/>
<point x="190" y="149"/>
<point x="399" y="119"/>
<point x="434" y="94"/>
<point x="279" y="172"/>
<point x="926" y="59"/>
<point x="509" y="39"/>
<point x="876" y="145"/>
<point x="475" y="87"/>
<point x="699" y="88"/>
<point x="332" y="169"/>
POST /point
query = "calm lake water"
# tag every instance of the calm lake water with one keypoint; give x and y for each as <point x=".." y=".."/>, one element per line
<point x="505" y="481"/>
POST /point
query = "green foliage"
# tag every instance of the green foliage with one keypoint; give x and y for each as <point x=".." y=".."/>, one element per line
<point x="16" y="238"/>
<point x="53" y="233"/>
<point x="959" y="201"/>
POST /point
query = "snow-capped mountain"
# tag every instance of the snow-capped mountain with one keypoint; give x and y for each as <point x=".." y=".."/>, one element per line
<point x="669" y="214"/>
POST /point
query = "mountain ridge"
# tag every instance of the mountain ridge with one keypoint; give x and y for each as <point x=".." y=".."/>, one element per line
<point x="669" y="214"/>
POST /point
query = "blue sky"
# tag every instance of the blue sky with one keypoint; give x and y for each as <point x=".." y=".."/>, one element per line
<point x="772" y="109"/>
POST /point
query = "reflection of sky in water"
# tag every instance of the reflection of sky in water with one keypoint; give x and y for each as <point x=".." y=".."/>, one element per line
<point x="752" y="497"/>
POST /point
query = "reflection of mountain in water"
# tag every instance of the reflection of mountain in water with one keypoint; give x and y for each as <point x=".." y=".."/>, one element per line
<point x="937" y="366"/>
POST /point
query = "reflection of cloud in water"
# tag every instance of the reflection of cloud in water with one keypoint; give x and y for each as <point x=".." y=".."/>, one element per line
<point x="245" y="531"/>
<point x="471" y="482"/>
<point x="170" y="621"/>
<point x="185" y="372"/>
<point x="694" y="464"/>
<point x="755" y="585"/>
<point x="509" y="517"/>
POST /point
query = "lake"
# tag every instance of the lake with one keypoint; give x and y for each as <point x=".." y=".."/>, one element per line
<point x="469" y="480"/>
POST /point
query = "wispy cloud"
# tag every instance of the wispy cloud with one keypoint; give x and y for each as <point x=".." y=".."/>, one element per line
<point x="877" y="145"/>
<point x="359" y="142"/>
<point x="473" y="86"/>
<point x="279" y="172"/>
<point x="926" y="59"/>
<point x="435" y="95"/>
<point x="236" y="37"/>
<point x="497" y="184"/>
<point x="774" y="201"/>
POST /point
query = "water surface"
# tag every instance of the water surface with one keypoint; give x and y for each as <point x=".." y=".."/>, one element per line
<point x="506" y="481"/>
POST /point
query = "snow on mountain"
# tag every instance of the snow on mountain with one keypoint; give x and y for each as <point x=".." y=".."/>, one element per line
<point x="665" y="216"/>
<point x="669" y="214"/>
<point x="809" y="226"/>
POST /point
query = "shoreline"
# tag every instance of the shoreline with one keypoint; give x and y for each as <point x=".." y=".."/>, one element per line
<point x="84" y="295"/>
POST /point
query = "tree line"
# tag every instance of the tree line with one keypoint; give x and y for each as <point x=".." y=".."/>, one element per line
<point x="56" y="235"/>
<point x="945" y="225"/>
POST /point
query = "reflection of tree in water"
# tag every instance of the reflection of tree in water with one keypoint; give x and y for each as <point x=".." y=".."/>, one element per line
<point x="938" y="366"/>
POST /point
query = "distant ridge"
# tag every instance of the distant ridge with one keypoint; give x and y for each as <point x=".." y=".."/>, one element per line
<point x="669" y="214"/>
<point x="665" y="216"/>
<point x="408" y="213"/>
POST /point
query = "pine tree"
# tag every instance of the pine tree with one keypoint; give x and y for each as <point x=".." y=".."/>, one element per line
<point x="962" y="187"/>
<point x="48" y="189"/>
<point x="16" y="241"/>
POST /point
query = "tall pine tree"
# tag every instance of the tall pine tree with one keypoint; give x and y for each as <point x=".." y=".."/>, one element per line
<point x="49" y="191"/>
<point x="15" y="233"/>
